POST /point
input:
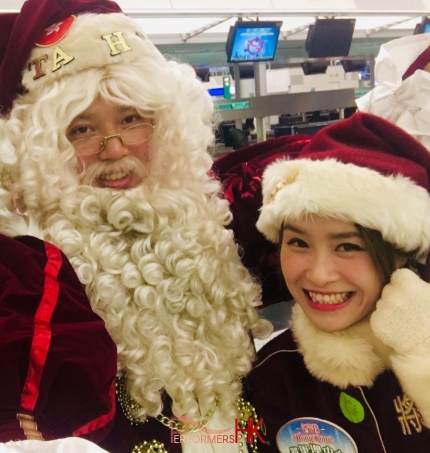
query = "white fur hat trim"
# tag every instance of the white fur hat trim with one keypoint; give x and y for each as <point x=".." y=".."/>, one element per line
<point x="393" y="205"/>
<point x="93" y="41"/>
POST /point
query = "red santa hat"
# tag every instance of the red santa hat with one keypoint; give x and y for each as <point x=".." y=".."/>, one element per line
<point x="44" y="24"/>
<point x="363" y="170"/>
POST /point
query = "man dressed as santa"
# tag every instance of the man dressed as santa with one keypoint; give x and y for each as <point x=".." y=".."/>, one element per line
<point x="111" y="141"/>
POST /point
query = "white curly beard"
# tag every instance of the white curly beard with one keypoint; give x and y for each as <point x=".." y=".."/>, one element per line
<point x="163" y="272"/>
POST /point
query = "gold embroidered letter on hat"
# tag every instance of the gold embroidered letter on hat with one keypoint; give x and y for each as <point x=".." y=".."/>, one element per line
<point x="113" y="45"/>
<point x="37" y="63"/>
<point x="60" y="58"/>
<point x="290" y="180"/>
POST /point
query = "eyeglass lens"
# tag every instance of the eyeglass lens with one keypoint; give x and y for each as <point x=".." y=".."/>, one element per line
<point x="133" y="135"/>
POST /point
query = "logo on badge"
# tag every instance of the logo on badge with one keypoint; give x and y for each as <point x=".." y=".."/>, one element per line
<point x="314" y="434"/>
<point x="55" y="32"/>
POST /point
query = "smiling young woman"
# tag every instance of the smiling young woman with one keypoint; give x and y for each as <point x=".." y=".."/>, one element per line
<point x="329" y="271"/>
<point x="351" y="213"/>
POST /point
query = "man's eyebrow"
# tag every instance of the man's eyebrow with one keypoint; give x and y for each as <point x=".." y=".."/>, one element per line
<point x="82" y="116"/>
<point x="85" y="116"/>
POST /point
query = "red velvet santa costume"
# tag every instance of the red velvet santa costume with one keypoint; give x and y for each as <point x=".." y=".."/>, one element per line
<point x="157" y="262"/>
<point x="58" y="363"/>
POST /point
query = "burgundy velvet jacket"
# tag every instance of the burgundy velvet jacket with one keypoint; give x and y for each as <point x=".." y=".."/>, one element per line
<point x="58" y="363"/>
<point x="281" y="389"/>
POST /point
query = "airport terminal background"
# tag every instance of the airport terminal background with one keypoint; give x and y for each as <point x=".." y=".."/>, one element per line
<point x="292" y="70"/>
<point x="196" y="32"/>
<point x="289" y="64"/>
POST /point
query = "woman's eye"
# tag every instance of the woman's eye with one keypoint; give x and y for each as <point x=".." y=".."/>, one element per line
<point x="297" y="243"/>
<point x="348" y="247"/>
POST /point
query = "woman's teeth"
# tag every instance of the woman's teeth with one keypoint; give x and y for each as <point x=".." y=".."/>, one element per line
<point x="328" y="299"/>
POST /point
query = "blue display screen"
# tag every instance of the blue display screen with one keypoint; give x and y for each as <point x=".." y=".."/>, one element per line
<point x="254" y="44"/>
<point x="216" y="91"/>
<point x="426" y="28"/>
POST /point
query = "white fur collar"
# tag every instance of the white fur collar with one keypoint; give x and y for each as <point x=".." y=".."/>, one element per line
<point x="350" y="357"/>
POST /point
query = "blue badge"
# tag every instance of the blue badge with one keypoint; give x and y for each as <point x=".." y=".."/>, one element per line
<point x="314" y="435"/>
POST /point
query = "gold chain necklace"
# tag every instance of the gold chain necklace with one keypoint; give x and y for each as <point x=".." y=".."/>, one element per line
<point x="129" y="406"/>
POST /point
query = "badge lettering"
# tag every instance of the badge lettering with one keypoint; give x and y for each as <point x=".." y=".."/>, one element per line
<point x="409" y="417"/>
<point x="314" y="435"/>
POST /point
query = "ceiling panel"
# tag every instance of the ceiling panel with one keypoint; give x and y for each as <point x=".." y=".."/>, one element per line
<point x="198" y="21"/>
<point x="314" y="5"/>
<point x="237" y="5"/>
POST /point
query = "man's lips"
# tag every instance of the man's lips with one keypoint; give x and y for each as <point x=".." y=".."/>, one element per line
<point x="117" y="180"/>
<point x="114" y="176"/>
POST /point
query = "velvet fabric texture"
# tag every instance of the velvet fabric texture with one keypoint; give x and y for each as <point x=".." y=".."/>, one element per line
<point x="240" y="174"/>
<point x="58" y="363"/>
<point x="372" y="142"/>
<point x="281" y="389"/>
<point x="19" y="33"/>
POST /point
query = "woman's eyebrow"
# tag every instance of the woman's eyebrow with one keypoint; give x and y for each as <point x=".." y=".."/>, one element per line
<point x="292" y="228"/>
<point x="342" y="235"/>
<point x="346" y="235"/>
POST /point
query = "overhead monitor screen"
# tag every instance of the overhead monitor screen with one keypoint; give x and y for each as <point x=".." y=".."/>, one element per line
<point x="252" y="41"/>
<point x="330" y="38"/>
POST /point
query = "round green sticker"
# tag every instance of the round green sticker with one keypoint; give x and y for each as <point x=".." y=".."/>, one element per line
<point x="351" y="408"/>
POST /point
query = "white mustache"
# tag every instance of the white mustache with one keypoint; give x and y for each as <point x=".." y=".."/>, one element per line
<point x="128" y="164"/>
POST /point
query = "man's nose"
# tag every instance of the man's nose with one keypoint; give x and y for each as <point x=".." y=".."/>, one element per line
<point x="114" y="148"/>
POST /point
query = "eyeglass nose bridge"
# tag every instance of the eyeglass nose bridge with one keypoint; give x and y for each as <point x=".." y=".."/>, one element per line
<point x="103" y="143"/>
